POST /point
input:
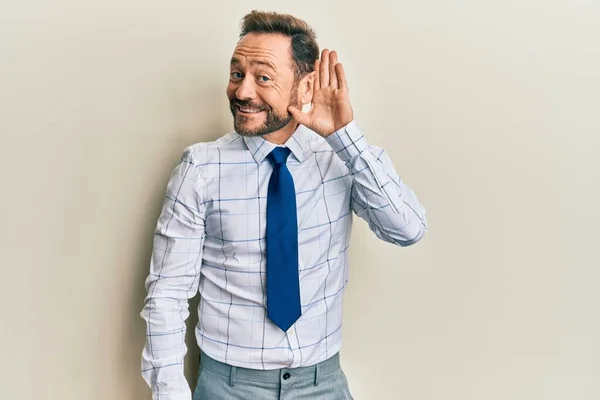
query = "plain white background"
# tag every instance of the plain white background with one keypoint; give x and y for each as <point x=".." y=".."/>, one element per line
<point x="489" y="109"/>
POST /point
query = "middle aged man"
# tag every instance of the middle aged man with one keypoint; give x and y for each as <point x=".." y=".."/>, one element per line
<point x="259" y="223"/>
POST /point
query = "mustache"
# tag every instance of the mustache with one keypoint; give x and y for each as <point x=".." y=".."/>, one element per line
<point x="247" y="103"/>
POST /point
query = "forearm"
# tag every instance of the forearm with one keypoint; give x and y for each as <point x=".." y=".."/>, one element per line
<point x="165" y="349"/>
<point x="379" y="195"/>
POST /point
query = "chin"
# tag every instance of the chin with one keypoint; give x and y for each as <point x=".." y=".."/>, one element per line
<point x="246" y="129"/>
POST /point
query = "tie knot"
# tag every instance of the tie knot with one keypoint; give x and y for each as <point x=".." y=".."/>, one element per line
<point x="279" y="155"/>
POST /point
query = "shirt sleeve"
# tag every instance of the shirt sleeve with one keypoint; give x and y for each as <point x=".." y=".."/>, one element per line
<point x="379" y="196"/>
<point x="172" y="281"/>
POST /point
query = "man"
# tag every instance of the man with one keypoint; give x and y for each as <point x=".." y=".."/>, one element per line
<point x="258" y="222"/>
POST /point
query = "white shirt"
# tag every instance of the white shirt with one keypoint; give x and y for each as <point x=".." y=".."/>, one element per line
<point x="210" y="238"/>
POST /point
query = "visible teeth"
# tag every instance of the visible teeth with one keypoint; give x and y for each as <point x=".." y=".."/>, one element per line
<point x="249" y="110"/>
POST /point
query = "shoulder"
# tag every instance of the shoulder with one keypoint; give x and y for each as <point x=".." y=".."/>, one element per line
<point x="203" y="153"/>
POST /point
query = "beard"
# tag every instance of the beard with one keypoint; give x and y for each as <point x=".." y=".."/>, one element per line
<point x="273" y="122"/>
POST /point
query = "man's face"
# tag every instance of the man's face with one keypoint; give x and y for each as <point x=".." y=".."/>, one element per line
<point x="261" y="84"/>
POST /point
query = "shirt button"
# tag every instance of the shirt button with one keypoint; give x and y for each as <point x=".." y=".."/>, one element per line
<point x="286" y="376"/>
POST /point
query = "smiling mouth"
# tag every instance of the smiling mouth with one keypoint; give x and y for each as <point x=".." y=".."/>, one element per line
<point x="248" y="110"/>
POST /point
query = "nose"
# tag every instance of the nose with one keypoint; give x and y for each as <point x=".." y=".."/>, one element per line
<point x="246" y="90"/>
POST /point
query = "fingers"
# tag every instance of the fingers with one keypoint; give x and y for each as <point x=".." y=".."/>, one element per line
<point x="324" y="70"/>
<point x="341" y="76"/>
<point x="333" y="79"/>
<point x="317" y="82"/>
<point x="330" y="72"/>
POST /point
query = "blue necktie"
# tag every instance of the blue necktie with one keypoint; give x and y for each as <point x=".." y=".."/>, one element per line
<point x="283" y="286"/>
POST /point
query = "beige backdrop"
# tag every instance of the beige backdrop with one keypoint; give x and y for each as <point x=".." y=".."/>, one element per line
<point x="490" y="111"/>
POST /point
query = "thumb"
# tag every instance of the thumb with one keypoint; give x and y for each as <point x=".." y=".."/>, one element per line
<point x="298" y="115"/>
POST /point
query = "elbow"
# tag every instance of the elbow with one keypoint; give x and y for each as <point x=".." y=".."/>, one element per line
<point x="405" y="237"/>
<point x="413" y="232"/>
<point x="416" y="238"/>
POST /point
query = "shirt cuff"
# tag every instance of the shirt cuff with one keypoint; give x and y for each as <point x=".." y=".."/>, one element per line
<point x="348" y="142"/>
<point x="178" y="396"/>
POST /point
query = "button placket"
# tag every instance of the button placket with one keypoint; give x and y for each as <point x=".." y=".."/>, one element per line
<point x="294" y="345"/>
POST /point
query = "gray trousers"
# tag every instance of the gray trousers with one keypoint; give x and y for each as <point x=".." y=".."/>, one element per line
<point x="323" y="381"/>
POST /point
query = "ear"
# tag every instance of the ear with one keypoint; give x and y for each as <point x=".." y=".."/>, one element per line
<point x="307" y="85"/>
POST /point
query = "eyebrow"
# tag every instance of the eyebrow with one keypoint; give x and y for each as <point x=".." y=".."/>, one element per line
<point x="235" y="61"/>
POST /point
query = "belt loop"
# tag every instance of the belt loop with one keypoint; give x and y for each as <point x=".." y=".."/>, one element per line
<point x="232" y="376"/>
<point x="317" y="375"/>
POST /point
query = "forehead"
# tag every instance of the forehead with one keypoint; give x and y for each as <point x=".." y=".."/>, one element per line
<point x="272" y="48"/>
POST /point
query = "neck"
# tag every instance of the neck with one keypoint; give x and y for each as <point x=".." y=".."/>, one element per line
<point x="281" y="136"/>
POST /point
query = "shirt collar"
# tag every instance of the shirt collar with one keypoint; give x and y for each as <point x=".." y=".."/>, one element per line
<point x="297" y="143"/>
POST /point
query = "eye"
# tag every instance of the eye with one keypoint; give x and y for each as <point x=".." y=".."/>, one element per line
<point x="264" y="78"/>
<point x="234" y="76"/>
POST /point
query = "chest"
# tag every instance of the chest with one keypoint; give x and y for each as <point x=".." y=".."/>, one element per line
<point x="236" y="199"/>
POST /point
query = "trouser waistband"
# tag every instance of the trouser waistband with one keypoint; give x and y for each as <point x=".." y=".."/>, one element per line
<point x="270" y="376"/>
